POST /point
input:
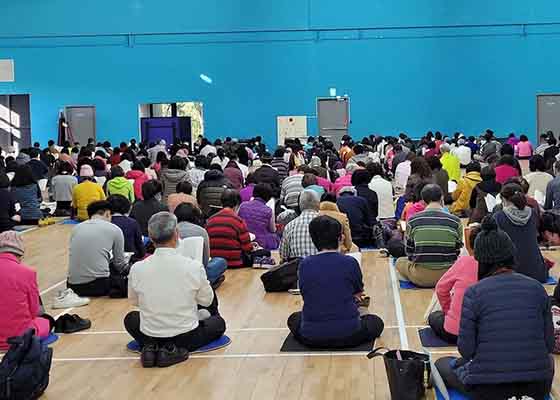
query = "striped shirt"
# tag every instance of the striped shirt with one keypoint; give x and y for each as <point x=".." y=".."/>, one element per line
<point x="291" y="188"/>
<point x="228" y="236"/>
<point x="296" y="240"/>
<point x="434" y="239"/>
<point x="281" y="166"/>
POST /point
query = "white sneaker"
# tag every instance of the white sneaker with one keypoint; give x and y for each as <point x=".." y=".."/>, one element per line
<point x="68" y="299"/>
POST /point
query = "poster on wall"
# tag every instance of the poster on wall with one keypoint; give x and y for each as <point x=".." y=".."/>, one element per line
<point x="7" y="71"/>
<point x="291" y="127"/>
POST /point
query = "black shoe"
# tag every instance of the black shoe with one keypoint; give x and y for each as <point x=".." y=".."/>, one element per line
<point x="218" y="282"/>
<point x="170" y="354"/>
<point x="149" y="356"/>
<point x="71" y="324"/>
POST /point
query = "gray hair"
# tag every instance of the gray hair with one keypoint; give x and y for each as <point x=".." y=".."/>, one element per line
<point x="309" y="200"/>
<point x="445" y="148"/>
<point x="162" y="226"/>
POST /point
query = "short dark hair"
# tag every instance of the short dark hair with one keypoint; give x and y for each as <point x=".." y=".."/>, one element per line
<point x="325" y="232"/>
<point x="487" y="173"/>
<point x="186" y="212"/>
<point x="231" y="198"/>
<point x="150" y="189"/>
<point x="98" y="207"/>
<point x="328" y="196"/>
<point x="537" y="163"/>
<point x="360" y="177"/>
<point x="184" y="187"/>
<point x="374" y="169"/>
<point x="177" y="163"/>
<point x="34" y="152"/>
<point x="23" y="176"/>
<point x="263" y="191"/>
<point x="434" y="163"/>
<point x="4" y="181"/>
<point x="474" y="166"/>
<point x="431" y="193"/>
<point x="116" y="172"/>
<point x="138" y="166"/>
<point x="119" y="204"/>
<point x="308" y="180"/>
<point x="65" y="167"/>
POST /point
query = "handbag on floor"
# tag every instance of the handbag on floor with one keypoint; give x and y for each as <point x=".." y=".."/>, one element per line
<point x="408" y="372"/>
<point x="281" y="278"/>
<point x="24" y="370"/>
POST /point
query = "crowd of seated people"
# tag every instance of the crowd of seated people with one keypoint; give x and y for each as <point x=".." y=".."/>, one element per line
<point x="315" y="203"/>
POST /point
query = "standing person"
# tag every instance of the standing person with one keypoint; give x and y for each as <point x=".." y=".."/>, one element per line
<point x="259" y="217"/>
<point x="433" y="240"/>
<point x="384" y="191"/>
<point x="143" y="210"/>
<point x="120" y="185"/>
<point x="27" y="193"/>
<point x="171" y="176"/>
<point x="96" y="254"/>
<point x="228" y="233"/>
<point x="504" y="341"/>
<point x="190" y="225"/>
<point x="519" y="221"/>
<point x="62" y="187"/>
<point x="168" y="330"/>
<point x="331" y="285"/>
<point x="20" y="307"/>
<point x="523" y="149"/>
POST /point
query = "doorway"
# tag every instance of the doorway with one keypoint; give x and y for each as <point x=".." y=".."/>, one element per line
<point x="548" y="114"/>
<point x="185" y="112"/>
<point x="333" y="114"/>
<point x="15" y="121"/>
<point x="81" y="123"/>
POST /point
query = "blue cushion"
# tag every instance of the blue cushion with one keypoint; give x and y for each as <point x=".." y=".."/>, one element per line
<point x="428" y="338"/>
<point x="70" y="222"/>
<point x="49" y="339"/>
<point x="215" y="345"/>
<point x="551" y="281"/>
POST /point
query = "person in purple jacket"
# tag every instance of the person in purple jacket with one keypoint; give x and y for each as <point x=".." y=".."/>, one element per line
<point x="260" y="218"/>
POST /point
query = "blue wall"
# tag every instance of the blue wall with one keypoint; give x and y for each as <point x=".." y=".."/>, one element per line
<point x="408" y="65"/>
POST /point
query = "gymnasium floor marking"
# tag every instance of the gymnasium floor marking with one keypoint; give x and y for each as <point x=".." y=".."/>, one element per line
<point x="398" y="306"/>
<point x="52" y="287"/>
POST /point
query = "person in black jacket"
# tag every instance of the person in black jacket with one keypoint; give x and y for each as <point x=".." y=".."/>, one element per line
<point x="357" y="210"/>
<point x="143" y="210"/>
<point x="506" y="333"/>
<point x="360" y="181"/>
<point x="267" y="174"/>
<point x="8" y="217"/>
<point x="210" y="190"/>
<point x="38" y="167"/>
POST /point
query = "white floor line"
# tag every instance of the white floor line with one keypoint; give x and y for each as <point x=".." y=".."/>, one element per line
<point x="222" y="356"/>
<point x="52" y="287"/>
<point x="398" y="306"/>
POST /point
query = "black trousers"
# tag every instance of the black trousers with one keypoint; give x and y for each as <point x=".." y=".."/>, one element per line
<point x="370" y="329"/>
<point x="536" y="390"/>
<point x="436" y="321"/>
<point x="208" y="330"/>
<point x="115" y="285"/>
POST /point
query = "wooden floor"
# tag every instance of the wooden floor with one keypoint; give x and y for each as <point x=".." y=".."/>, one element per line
<point x="96" y="365"/>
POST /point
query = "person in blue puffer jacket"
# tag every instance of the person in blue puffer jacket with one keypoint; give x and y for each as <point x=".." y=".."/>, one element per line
<point x="506" y="333"/>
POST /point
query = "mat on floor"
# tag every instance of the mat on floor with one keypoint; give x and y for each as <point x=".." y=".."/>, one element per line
<point x="23" y="228"/>
<point x="291" y="345"/>
<point x="49" y="339"/>
<point x="551" y="281"/>
<point x="455" y="395"/>
<point x="70" y="222"/>
<point x="220" y="343"/>
<point x="402" y="283"/>
<point x="428" y="338"/>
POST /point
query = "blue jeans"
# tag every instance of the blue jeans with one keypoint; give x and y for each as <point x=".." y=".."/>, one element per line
<point x="215" y="268"/>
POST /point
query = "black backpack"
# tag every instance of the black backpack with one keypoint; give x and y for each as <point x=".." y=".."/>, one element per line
<point x="24" y="370"/>
<point x="281" y="278"/>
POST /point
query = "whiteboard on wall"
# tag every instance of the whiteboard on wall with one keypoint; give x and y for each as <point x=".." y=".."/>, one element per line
<point x="291" y="126"/>
<point x="7" y="71"/>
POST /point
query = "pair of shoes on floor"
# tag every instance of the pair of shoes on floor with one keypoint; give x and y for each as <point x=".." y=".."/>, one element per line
<point x="162" y="357"/>
<point x="68" y="299"/>
<point x="71" y="324"/>
<point x="218" y="282"/>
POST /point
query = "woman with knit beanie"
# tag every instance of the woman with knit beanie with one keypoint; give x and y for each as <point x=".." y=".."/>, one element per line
<point x="506" y="333"/>
<point x="519" y="221"/>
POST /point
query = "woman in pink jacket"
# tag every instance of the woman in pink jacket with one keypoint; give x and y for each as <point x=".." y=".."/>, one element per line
<point x="19" y="295"/>
<point x="450" y="290"/>
<point x="524" y="149"/>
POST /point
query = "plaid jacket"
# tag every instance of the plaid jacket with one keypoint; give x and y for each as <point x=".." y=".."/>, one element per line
<point x="296" y="241"/>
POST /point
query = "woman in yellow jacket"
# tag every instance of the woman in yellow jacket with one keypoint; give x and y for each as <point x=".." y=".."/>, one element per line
<point x="462" y="195"/>
<point x="328" y="207"/>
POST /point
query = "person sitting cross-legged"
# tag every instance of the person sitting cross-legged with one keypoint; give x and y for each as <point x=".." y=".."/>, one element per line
<point x="168" y="289"/>
<point x="92" y="271"/>
<point x="433" y="240"/>
<point x="133" y="242"/>
<point x="331" y="285"/>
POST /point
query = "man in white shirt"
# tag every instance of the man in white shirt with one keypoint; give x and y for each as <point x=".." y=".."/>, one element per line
<point x="384" y="191"/>
<point x="168" y="288"/>
<point x="402" y="172"/>
<point x="463" y="153"/>
<point x="153" y="152"/>
<point x="207" y="149"/>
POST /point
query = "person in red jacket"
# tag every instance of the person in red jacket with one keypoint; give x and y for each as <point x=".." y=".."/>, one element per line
<point x="20" y="305"/>
<point x="139" y="176"/>
<point x="228" y="233"/>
